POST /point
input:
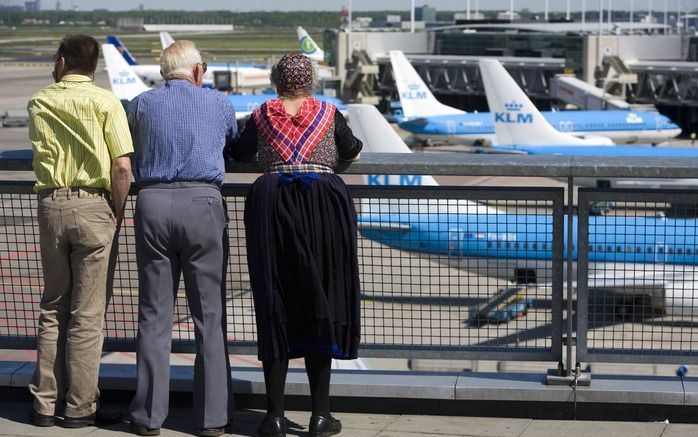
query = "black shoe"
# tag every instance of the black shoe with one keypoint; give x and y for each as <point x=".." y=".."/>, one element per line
<point x="42" y="420"/>
<point x="98" y="418"/>
<point x="144" y="430"/>
<point x="210" y="432"/>
<point x="272" y="427"/>
<point x="321" y="426"/>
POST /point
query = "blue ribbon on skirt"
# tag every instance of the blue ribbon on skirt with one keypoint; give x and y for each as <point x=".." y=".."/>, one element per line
<point x="305" y="178"/>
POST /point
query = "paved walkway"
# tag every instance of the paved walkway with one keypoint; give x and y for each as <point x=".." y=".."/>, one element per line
<point x="14" y="422"/>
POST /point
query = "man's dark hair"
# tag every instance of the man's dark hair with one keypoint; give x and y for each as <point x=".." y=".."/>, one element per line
<point x="81" y="53"/>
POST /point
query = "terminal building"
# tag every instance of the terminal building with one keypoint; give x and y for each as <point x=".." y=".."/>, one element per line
<point x="645" y="63"/>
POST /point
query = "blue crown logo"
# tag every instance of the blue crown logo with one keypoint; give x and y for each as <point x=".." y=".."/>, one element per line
<point x="413" y="86"/>
<point x="513" y="106"/>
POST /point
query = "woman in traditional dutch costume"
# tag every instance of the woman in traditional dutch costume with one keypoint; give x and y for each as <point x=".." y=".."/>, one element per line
<point x="300" y="227"/>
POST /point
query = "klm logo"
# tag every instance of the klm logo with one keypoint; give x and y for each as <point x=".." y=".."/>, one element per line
<point x="124" y="78"/>
<point x="513" y="114"/>
<point x="413" y="93"/>
<point x="633" y="118"/>
<point x="384" y="179"/>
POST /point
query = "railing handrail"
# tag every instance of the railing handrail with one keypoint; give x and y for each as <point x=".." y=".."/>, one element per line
<point x="471" y="164"/>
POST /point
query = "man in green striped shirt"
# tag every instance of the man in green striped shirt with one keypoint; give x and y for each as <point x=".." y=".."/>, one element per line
<point x="81" y="144"/>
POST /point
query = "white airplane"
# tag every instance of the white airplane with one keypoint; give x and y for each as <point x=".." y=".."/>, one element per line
<point x="520" y="127"/>
<point x="243" y="75"/>
<point x="166" y="40"/>
<point x="308" y="47"/>
<point x="427" y="118"/>
<point x="646" y="261"/>
<point x="126" y="84"/>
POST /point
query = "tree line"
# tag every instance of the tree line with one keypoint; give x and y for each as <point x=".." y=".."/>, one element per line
<point x="320" y="19"/>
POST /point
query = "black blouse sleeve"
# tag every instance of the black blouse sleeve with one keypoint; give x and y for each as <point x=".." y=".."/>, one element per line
<point x="348" y="146"/>
<point x="245" y="147"/>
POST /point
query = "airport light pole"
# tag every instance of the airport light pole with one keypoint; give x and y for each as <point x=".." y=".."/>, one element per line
<point x="632" y="12"/>
<point x="678" y="17"/>
<point x="610" y="15"/>
<point x="467" y="10"/>
<point x="412" y="18"/>
<point x="349" y="29"/>
<point x="584" y="15"/>
<point x="546" y="9"/>
<point x="598" y="38"/>
<point x="511" y="10"/>
<point x="568" y="10"/>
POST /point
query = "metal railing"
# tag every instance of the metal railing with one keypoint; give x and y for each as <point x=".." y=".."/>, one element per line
<point x="443" y="293"/>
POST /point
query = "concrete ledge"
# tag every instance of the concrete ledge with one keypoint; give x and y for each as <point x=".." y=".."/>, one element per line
<point x="496" y="387"/>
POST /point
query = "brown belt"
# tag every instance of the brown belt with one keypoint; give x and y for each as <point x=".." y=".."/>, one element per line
<point x="80" y="192"/>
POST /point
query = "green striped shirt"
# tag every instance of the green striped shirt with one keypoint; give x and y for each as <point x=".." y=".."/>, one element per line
<point x="76" y="129"/>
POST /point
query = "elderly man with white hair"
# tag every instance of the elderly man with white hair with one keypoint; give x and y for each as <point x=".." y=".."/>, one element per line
<point x="179" y="132"/>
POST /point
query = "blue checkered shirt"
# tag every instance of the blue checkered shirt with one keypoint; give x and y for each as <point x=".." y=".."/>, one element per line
<point x="179" y="131"/>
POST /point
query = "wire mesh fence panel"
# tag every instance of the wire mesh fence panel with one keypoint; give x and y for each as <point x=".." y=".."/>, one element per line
<point x="20" y="267"/>
<point x="637" y="276"/>
<point x="441" y="276"/>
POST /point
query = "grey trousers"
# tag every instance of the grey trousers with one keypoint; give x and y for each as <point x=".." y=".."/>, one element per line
<point x="181" y="228"/>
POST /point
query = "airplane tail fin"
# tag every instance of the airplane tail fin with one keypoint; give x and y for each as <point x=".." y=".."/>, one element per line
<point x="416" y="98"/>
<point x="125" y="83"/>
<point x="374" y="131"/>
<point x="516" y="118"/>
<point x="166" y="40"/>
<point x="308" y="47"/>
<point x="378" y="136"/>
<point x="116" y="42"/>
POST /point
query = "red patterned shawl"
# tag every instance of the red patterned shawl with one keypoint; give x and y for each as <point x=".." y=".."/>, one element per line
<point x="294" y="137"/>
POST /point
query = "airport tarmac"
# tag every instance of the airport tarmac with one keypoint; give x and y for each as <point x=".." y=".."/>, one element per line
<point x="438" y="315"/>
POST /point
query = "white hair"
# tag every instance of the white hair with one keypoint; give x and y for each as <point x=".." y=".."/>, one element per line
<point x="179" y="60"/>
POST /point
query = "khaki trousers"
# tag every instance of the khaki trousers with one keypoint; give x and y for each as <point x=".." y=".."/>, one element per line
<point x="76" y="228"/>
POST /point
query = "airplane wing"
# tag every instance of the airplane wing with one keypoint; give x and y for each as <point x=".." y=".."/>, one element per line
<point x="371" y="222"/>
<point x="375" y="226"/>
<point x="673" y="288"/>
<point x="627" y="277"/>
<point x="417" y="122"/>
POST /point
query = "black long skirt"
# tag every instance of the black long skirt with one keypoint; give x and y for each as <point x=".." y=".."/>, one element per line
<point x="304" y="274"/>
